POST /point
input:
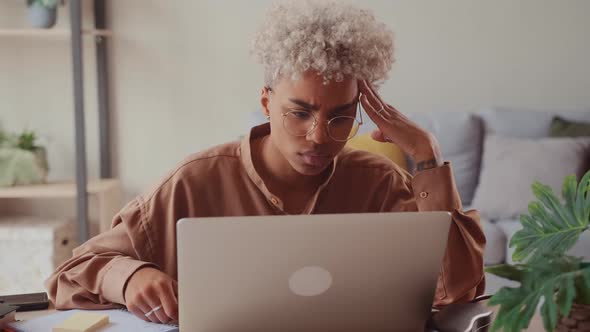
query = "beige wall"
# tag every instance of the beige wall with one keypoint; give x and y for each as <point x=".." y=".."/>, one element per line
<point x="183" y="80"/>
<point x="36" y="87"/>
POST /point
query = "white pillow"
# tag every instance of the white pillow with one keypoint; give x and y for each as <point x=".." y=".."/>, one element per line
<point x="511" y="165"/>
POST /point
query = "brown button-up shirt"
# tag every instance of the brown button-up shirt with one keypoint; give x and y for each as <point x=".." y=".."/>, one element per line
<point x="223" y="181"/>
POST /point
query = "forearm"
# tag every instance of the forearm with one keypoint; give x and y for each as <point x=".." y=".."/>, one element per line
<point x="462" y="276"/>
<point x="91" y="281"/>
<point x="95" y="276"/>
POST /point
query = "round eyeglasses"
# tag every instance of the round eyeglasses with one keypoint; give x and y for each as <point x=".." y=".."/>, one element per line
<point x="340" y="128"/>
<point x="302" y="123"/>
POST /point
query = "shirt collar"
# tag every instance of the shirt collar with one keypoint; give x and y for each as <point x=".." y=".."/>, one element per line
<point x="246" y="157"/>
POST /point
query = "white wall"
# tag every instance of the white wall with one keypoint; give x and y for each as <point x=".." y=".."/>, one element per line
<point x="183" y="80"/>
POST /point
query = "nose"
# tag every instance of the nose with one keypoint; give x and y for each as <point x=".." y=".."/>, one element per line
<point x="319" y="135"/>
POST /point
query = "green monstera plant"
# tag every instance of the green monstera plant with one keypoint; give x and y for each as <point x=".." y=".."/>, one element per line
<point x="545" y="272"/>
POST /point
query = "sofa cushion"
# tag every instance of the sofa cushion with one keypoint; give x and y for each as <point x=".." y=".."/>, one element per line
<point x="525" y="123"/>
<point x="495" y="251"/>
<point x="509" y="227"/>
<point x="391" y="151"/>
<point x="495" y="283"/>
<point x="511" y="165"/>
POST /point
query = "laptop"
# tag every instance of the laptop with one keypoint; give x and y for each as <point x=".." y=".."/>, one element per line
<point x="331" y="272"/>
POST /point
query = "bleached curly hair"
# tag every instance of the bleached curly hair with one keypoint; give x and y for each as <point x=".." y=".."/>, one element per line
<point x="335" y="39"/>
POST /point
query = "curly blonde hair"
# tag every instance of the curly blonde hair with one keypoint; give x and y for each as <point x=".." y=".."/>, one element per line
<point x="335" y="39"/>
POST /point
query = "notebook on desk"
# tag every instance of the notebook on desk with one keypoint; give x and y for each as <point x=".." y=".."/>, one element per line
<point x="120" y="321"/>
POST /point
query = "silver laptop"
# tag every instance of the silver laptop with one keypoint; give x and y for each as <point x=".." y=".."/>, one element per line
<point x="332" y="272"/>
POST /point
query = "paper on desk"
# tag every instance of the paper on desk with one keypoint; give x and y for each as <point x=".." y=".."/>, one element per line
<point x="119" y="321"/>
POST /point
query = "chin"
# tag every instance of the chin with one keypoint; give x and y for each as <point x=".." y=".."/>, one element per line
<point x="310" y="170"/>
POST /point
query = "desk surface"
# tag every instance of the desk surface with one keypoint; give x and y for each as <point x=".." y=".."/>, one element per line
<point x="535" y="326"/>
<point x="26" y="315"/>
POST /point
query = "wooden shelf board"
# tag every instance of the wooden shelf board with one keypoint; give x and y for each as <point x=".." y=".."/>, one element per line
<point x="57" y="189"/>
<point x="51" y="32"/>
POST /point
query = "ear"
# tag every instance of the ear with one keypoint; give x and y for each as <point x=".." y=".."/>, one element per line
<point x="264" y="100"/>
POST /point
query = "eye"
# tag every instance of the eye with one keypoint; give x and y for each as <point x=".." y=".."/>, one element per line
<point x="341" y="120"/>
<point x="301" y="115"/>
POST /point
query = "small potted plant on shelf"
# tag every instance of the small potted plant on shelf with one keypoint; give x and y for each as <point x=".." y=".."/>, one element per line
<point x="547" y="275"/>
<point x="42" y="13"/>
<point x="22" y="160"/>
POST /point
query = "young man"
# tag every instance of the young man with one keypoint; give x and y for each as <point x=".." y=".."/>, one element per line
<point x="321" y="59"/>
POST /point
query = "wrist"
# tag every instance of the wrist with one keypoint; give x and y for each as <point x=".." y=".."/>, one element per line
<point x="135" y="275"/>
<point x="426" y="164"/>
<point x="427" y="160"/>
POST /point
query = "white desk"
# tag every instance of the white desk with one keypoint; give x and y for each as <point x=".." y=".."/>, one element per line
<point x="26" y="315"/>
<point x="535" y="326"/>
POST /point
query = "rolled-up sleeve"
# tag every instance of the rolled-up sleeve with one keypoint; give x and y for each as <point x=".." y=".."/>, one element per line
<point x="96" y="275"/>
<point x="462" y="276"/>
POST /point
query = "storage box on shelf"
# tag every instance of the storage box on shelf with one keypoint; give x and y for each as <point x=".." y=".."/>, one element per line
<point x="32" y="248"/>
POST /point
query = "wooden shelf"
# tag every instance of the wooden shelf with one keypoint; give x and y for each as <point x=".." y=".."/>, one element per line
<point x="52" y="33"/>
<point x="107" y="192"/>
<point x="57" y="189"/>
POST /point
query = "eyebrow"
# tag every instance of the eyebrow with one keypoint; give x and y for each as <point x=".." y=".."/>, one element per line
<point x="312" y="107"/>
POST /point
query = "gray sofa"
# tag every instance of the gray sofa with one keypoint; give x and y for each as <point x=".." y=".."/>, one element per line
<point x="461" y="136"/>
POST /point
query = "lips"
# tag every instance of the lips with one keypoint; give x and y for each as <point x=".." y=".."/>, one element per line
<point x="315" y="159"/>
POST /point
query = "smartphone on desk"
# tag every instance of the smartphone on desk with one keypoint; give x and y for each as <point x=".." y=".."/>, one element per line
<point x="27" y="302"/>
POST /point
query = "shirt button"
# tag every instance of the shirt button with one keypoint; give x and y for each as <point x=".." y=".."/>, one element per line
<point x="423" y="194"/>
<point x="274" y="201"/>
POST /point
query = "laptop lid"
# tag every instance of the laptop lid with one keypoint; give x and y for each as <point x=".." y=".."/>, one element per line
<point x="337" y="272"/>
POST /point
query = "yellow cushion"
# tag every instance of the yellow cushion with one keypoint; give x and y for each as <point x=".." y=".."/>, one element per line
<point x="389" y="150"/>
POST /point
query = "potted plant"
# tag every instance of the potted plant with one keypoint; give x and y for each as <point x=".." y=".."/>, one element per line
<point x="22" y="160"/>
<point x="548" y="277"/>
<point x="42" y="13"/>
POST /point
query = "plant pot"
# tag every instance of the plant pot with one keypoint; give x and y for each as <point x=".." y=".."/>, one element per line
<point x="22" y="167"/>
<point x="41" y="16"/>
<point x="41" y="160"/>
<point x="578" y="320"/>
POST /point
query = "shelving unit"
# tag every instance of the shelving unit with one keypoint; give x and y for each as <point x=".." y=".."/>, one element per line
<point x="81" y="187"/>
<point x="51" y="33"/>
<point x="56" y="189"/>
<point x="106" y="194"/>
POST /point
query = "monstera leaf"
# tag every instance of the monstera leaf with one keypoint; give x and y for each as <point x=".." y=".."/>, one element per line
<point x="553" y="227"/>
<point x="557" y="281"/>
<point x="545" y="273"/>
